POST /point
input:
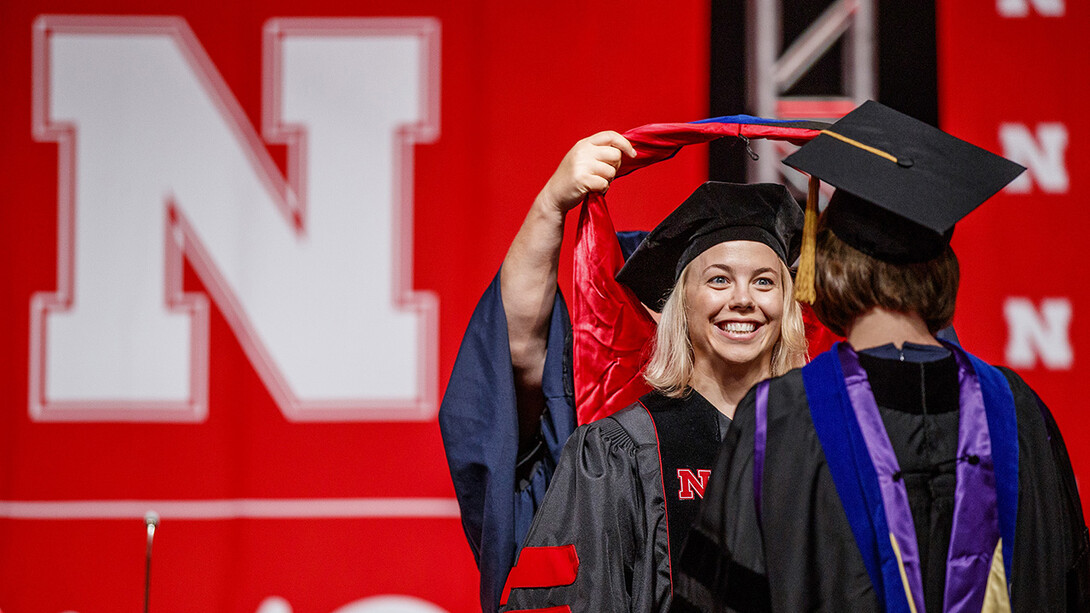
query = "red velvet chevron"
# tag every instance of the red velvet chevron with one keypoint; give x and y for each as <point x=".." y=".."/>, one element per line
<point x="542" y="567"/>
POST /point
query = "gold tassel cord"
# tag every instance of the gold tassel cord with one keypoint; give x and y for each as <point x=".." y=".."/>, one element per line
<point x="804" y="278"/>
<point x="867" y="148"/>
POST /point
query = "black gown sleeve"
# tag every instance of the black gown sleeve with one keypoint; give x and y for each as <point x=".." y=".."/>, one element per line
<point x="605" y="498"/>
<point x="1078" y="568"/>
<point x="478" y="419"/>
<point x="1051" y="567"/>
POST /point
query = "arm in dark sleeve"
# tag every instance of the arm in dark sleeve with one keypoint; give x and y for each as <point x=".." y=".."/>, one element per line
<point x="478" y="419"/>
<point x="1078" y="569"/>
<point x="1051" y="568"/>
<point x="599" y="509"/>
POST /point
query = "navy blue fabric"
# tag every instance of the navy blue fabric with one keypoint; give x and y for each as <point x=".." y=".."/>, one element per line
<point x="853" y="474"/>
<point x="909" y="352"/>
<point x="629" y="240"/>
<point x="949" y="335"/>
<point x="1003" y="431"/>
<point x="746" y="119"/>
<point x="479" y="422"/>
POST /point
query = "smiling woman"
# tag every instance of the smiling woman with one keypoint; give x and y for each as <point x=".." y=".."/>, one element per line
<point x="729" y="319"/>
<point x="743" y="292"/>
<point x="628" y="486"/>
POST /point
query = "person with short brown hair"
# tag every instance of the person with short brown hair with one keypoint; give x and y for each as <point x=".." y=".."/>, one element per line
<point x="851" y="283"/>
<point x="894" y="472"/>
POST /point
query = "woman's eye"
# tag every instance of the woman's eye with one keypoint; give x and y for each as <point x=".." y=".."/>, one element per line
<point x="718" y="280"/>
<point x="765" y="282"/>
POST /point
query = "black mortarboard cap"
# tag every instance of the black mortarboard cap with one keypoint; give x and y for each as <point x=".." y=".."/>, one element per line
<point x="716" y="212"/>
<point x="901" y="184"/>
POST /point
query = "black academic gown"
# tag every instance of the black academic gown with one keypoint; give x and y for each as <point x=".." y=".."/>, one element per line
<point x="499" y="486"/>
<point x="499" y="489"/>
<point x="801" y="555"/>
<point x="624" y="494"/>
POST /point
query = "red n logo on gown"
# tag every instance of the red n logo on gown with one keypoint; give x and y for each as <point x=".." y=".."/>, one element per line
<point x="692" y="483"/>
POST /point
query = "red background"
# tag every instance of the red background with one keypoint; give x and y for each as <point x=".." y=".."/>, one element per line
<point x="1031" y="70"/>
<point x="519" y="86"/>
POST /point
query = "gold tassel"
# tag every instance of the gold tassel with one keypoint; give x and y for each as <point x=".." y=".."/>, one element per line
<point x="804" y="278"/>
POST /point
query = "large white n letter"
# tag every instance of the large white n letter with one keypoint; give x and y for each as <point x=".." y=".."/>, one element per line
<point x="314" y="274"/>
<point x="1020" y="8"/>
<point x="1043" y="156"/>
<point x="1045" y="334"/>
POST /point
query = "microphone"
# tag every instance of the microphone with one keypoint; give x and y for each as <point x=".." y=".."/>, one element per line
<point x="151" y="521"/>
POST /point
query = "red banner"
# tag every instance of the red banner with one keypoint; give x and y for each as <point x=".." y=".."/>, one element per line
<point x="1011" y="80"/>
<point x="242" y="244"/>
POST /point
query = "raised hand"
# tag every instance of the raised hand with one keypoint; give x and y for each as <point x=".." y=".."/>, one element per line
<point x="589" y="166"/>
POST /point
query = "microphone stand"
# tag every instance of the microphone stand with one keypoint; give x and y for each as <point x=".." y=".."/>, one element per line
<point x="151" y="521"/>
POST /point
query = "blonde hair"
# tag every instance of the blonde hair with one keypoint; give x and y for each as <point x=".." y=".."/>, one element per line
<point x="670" y="369"/>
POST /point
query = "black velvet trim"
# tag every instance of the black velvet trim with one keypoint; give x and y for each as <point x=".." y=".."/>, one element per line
<point x="688" y="435"/>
